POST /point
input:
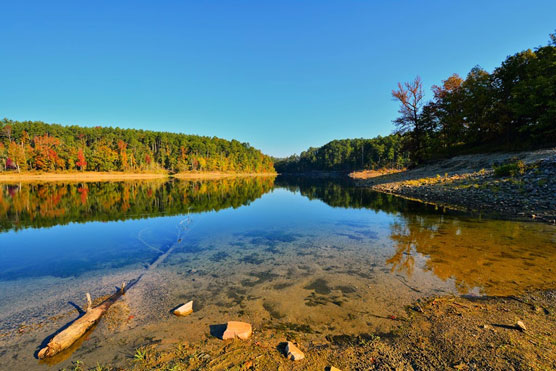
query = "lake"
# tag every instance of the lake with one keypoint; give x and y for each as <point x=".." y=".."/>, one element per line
<point x="321" y="257"/>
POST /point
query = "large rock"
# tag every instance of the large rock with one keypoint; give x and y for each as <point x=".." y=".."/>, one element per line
<point x="293" y="352"/>
<point x="236" y="329"/>
<point x="184" y="310"/>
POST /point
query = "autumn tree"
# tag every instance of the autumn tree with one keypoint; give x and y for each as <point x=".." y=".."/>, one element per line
<point x="410" y="97"/>
<point x="81" y="163"/>
<point x="16" y="155"/>
<point x="44" y="153"/>
<point x="122" y="147"/>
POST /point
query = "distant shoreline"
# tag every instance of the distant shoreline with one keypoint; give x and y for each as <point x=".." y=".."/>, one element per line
<point x="93" y="176"/>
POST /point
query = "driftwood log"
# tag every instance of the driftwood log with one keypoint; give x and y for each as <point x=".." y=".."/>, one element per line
<point x="79" y="327"/>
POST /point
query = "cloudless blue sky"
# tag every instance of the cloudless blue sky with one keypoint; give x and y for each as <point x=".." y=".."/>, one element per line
<point x="282" y="75"/>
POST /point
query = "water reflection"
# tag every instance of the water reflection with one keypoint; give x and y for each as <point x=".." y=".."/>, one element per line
<point x="48" y="204"/>
<point x="341" y="192"/>
<point x="490" y="257"/>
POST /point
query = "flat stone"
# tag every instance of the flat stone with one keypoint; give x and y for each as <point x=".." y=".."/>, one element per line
<point x="236" y="329"/>
<point x="184" y="310"/>
<point x="293" y="352"/>
<point x="520" y="326"/>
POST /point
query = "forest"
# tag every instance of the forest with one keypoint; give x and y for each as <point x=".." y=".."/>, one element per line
<point x="35" y="145"/>
<point x="348" y="155"/>
<point x="512" y="108"/>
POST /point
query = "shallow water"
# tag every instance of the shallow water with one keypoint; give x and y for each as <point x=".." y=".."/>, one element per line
<point x="320" y="257"/>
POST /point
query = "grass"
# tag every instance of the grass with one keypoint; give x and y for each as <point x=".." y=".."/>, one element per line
<point x="140" y="354"/>
<point x="511" y="169"/>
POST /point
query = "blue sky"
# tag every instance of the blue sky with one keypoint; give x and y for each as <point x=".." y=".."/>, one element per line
<point x="282" y="75"/>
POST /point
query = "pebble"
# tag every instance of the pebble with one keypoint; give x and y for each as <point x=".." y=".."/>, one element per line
<point x="520" y="326"/>
<point x="293" y="352"/>
<point x="184" y="310"/>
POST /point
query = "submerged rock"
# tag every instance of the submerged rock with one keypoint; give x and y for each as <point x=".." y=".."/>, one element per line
<point x="184" y="310"/>
<point x="236" y="329"/>
<point x="293" y="352"/>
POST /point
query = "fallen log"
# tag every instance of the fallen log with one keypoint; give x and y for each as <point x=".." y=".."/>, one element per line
<point x="79" y="327"/>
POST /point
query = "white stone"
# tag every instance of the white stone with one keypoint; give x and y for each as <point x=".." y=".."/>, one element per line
<point x="184" y="310"/>
<point x="293" y="352"/>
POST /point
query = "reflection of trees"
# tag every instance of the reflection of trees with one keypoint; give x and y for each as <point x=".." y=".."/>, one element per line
<point x="499" y="257"/>
<point x="338" y="192"/>
<point x="341" y="192"/>
<point x="48" y="204"/>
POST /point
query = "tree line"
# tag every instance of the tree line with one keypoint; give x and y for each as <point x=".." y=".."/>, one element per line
<point x="35" y="145"/>
<point x="512" y="108"/>
<point x="348" y="155"/>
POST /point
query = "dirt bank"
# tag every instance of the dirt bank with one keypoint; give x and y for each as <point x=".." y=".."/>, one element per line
<point x="470" y="183"/>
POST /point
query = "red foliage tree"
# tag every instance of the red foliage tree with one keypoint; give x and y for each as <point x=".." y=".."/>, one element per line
<point x="81" y="160"/>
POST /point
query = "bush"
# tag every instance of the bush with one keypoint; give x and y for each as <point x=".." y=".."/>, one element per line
<point x="510" y="169"/>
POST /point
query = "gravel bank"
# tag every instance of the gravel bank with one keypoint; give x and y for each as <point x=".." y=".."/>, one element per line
<point x="470" y="183"/>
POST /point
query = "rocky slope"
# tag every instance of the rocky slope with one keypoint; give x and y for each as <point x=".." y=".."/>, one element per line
<point x="524" y="186"/>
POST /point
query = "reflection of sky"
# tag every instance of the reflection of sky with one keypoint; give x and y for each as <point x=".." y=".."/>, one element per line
<point x="72" y="249"/>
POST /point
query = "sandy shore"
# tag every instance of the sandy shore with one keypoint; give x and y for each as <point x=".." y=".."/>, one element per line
<point x="92" y="176"/>
<point x="470" y="183"/>
<point x="367" y="174"/>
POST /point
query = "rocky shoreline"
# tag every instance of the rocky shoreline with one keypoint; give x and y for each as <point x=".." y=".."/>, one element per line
<point x="447" y="332"/>
<point x="472" y="184"/>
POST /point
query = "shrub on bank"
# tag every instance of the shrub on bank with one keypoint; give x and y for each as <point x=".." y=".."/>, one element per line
<point x="510" y="169"/>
